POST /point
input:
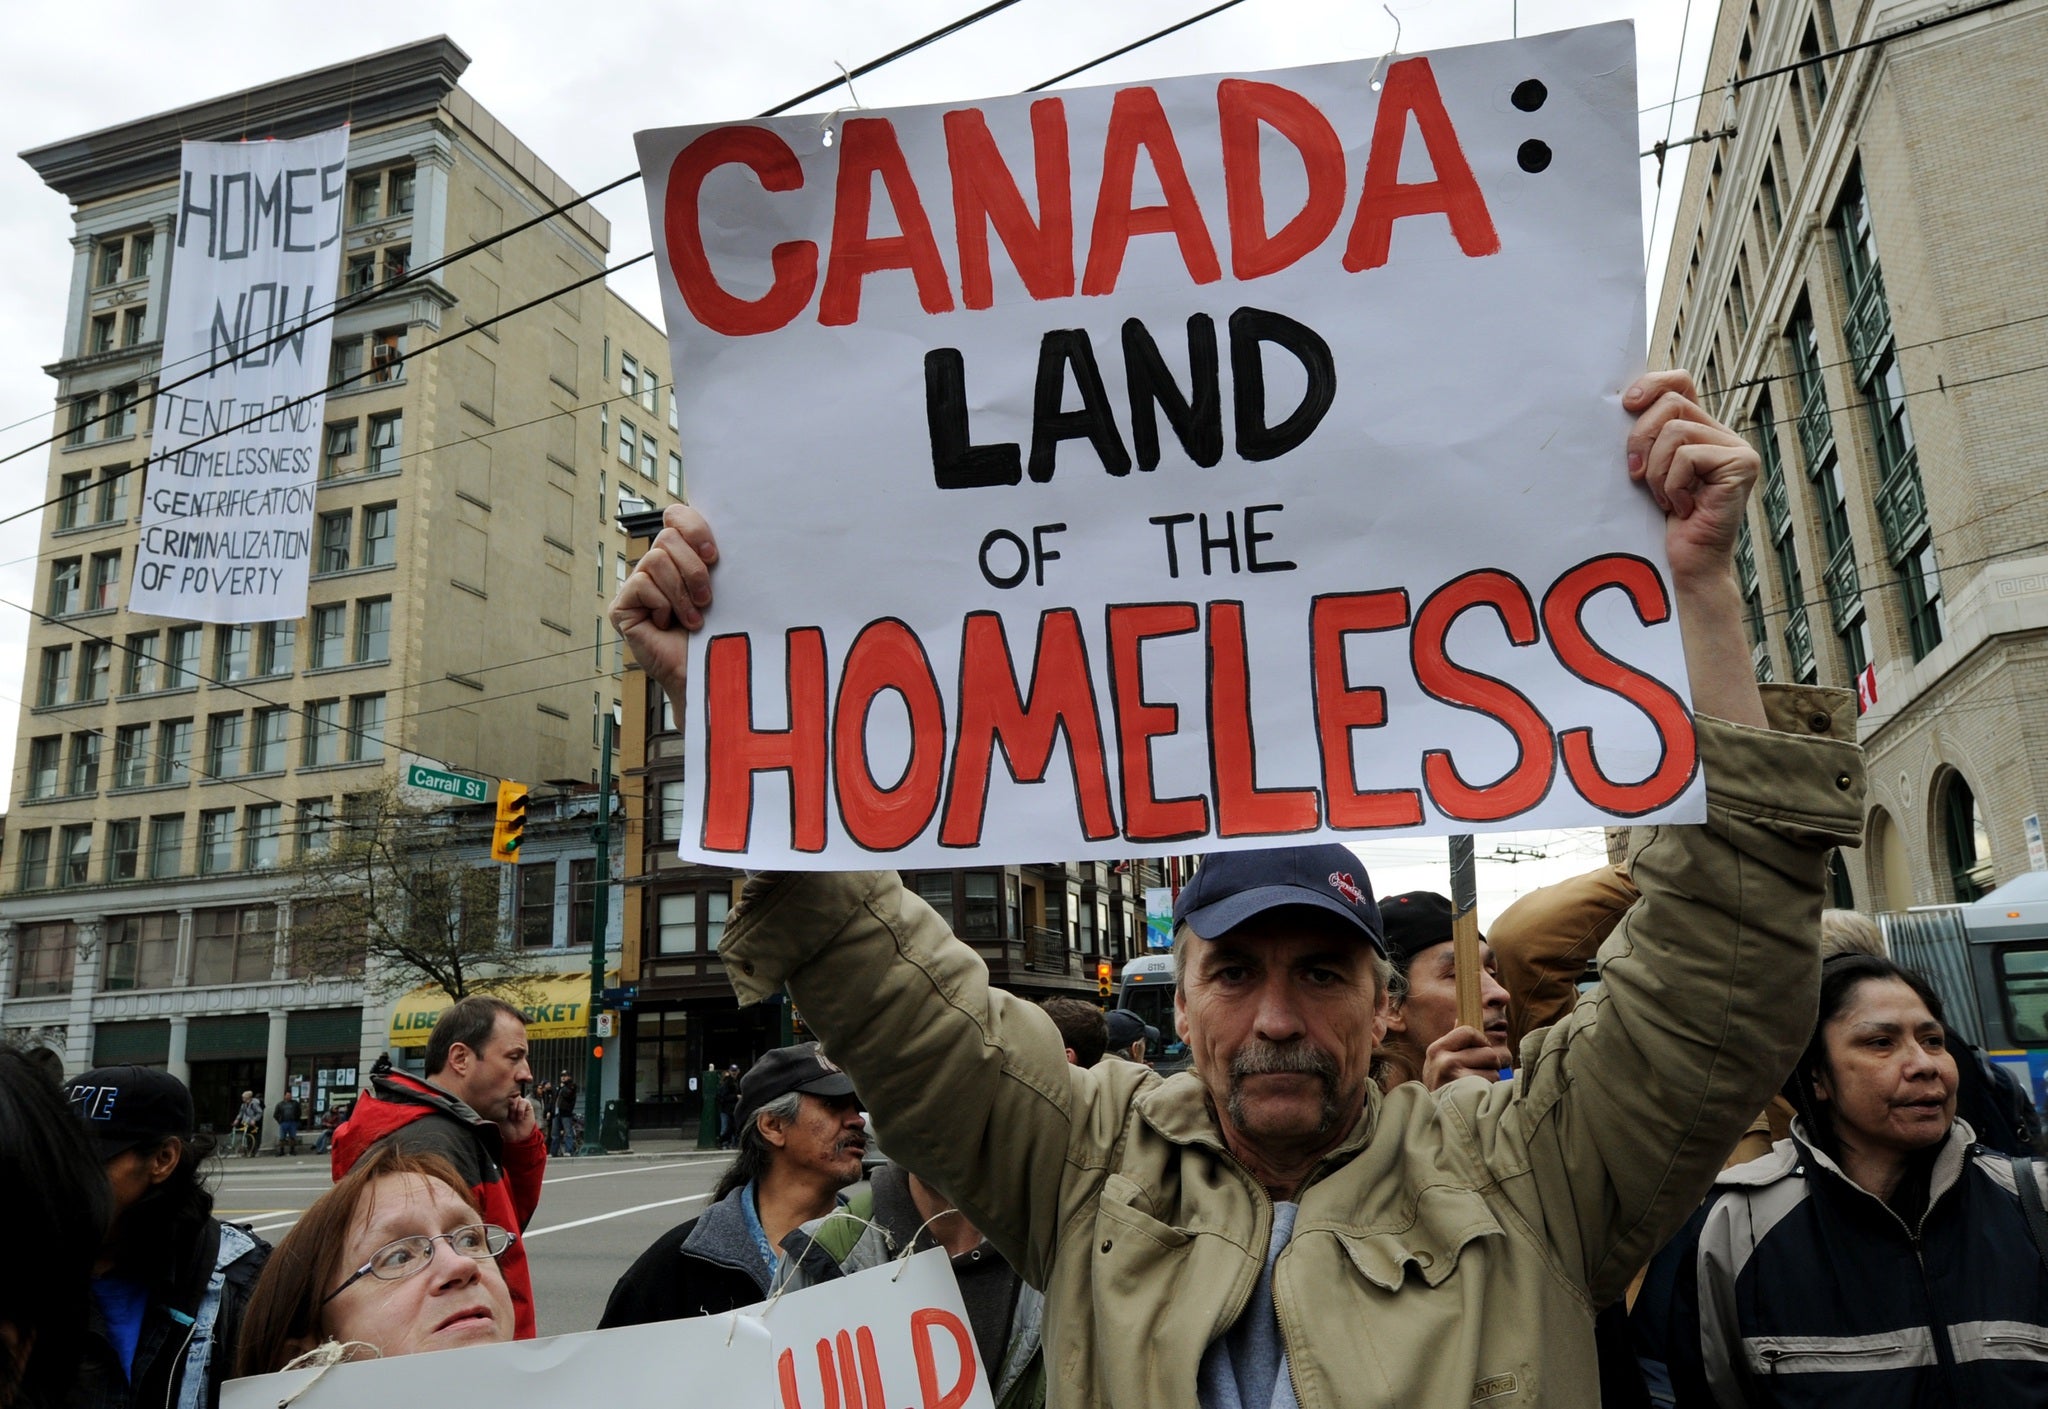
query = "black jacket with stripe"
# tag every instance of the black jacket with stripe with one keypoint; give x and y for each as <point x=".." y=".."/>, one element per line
<point x="1792" y="1286"/>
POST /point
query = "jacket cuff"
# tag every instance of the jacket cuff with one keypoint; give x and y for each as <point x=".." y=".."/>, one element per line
<point x="1803" y="774"/>
<point x="783" y="919"/>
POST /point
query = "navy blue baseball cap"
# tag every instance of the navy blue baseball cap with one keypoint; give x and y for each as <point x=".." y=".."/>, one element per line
<point x="1230" y="887"/>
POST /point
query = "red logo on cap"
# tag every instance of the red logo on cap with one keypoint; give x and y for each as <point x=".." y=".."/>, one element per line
<point x="1341" y="882"/>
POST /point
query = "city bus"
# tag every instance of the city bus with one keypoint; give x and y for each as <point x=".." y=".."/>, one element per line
<point x="1147" y="990"/>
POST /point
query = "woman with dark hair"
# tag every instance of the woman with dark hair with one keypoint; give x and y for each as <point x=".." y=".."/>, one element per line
<point x="56" y="1198"/>
<point x="1880" y="1255"/>
<point x="171" y="1280"/>
<point x="396" y="1258"/>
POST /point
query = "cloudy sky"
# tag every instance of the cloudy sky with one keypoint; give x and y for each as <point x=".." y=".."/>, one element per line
<point x="575" y="82"/>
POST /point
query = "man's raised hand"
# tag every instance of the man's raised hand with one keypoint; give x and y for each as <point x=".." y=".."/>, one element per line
<point x="1697" y="470"/>
<point x="664" y="599"/>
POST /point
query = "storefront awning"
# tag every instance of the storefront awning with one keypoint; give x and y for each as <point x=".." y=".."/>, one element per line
<point x="556" y="1005"/>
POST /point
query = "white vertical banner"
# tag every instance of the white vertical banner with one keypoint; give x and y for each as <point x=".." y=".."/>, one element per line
<point x="227" y="515"/>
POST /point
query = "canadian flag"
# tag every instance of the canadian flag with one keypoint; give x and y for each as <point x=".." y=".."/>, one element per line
<point x="1866" y="689"/>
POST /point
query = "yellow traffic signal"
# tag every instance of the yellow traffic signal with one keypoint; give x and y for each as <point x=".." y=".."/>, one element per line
<point x="511" y="827"/>
<point x="1102" y="978"/>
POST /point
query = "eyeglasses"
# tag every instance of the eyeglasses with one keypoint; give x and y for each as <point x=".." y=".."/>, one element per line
<point x="394" y="1262"/>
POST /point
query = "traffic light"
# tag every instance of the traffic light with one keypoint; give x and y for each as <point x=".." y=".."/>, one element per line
<point x="511" y="827"/>
<point x="1102" y="978"/>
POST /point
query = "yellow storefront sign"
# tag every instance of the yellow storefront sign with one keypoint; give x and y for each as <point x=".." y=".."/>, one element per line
<point x="556" y="1005"/>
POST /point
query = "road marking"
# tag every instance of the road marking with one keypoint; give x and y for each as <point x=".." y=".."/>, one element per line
<point x="533" y="1233"/>
<point x="275" y="1188"/>
<point x="268" y="1227"/>
<point x="645" y="1169"/>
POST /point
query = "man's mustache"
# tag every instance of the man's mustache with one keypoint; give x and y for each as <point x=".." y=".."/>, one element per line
<point x="1276" y="1058"/>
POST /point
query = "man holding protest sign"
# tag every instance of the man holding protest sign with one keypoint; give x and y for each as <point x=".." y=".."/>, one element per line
<point x="1270" y="1224"/>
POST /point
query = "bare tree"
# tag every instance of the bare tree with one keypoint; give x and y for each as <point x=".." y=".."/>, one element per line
<point x="397" y="893"/>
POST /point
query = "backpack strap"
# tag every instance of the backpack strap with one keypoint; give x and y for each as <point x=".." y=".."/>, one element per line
<point x="2029" y="1187"/>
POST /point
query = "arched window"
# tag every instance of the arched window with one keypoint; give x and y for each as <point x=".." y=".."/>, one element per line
<point x="1969" y="845"/>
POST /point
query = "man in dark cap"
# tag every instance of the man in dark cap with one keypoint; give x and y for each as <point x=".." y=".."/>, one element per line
<point x="172" y="1280"/>
<point x="1422" y="1016"/>
<point x="801" y="1141"/>
<point x="1130" y="1036"/>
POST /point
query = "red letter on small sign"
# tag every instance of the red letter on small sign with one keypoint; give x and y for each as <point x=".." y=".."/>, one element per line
<point x="1562" y="605"/>
<point x="1241" y="106"/>
<point x="1342" y="707"/>
<point x="795" y="263"/>
<point x="1137" y="120"/>
<point x="887" y="656"/>
<point x="736" y="750"/>
<point x="1411" y="88"/>
<point x="868" y="145"/>
<point x="1523" y="785"/>
<point x="922" y="1323"/>
<point x="985" y="194"/>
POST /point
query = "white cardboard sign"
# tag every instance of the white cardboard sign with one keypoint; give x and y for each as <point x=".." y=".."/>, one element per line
<point x="1202" y="463"/>
<point x="227" y="520"/>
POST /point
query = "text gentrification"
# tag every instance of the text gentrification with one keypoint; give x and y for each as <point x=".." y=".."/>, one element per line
<point x="227" y="504"/>
<point x="1197" y="464"/>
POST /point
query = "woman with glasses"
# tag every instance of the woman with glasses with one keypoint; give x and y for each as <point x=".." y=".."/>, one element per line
<point x="394" y="1259"/>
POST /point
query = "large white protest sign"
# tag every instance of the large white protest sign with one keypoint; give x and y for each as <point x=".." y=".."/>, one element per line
<point x="227" y="520"/>
<point x="877" y="1338"/>
<point x="1192" y="463"/>
<point x="712" y="1362"/>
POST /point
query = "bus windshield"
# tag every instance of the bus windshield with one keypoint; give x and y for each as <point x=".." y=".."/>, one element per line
<point x="1148" y="992"/>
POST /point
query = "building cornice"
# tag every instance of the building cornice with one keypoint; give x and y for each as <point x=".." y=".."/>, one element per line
<point x="377" y="88"/>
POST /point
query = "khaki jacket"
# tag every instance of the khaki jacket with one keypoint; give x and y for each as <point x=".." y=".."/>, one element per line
<point x="1454" y="1247"/>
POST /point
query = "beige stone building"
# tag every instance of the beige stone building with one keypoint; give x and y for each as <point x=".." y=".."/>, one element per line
<point x="464" y="549"/>
<point x="1853" y="276"/>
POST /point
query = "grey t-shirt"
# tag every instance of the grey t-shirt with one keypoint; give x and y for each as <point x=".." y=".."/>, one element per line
<point x="1246" y="1367"/>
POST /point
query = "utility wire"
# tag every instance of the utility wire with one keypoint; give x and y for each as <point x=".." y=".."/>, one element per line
<point x="1134" y="44"/>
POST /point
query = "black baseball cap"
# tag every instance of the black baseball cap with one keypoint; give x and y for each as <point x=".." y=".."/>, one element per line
<point x="1126" y="1027"/>
<point x="1415" y="921"/>
<point x="786" y="1069"/>
<point x="1230" y="887"/>
<point x="123" y="1107"/>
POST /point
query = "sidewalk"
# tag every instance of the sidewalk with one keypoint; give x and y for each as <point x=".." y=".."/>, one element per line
<point x="648" y="1147"/>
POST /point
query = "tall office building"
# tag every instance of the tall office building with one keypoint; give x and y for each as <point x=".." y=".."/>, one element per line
<point x="1851" y="276"/>
<point x="465" y="548"/>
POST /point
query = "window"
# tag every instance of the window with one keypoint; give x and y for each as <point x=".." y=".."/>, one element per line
<point x="120" y="421"/>
<point x="675" y="474"/>
<point x="1784" y="548"/>
<point x="935" y="888"/>
<point x="628" y="443"/>
<point x="537" y="905"/>
<point x="345" y="363"/>
<point x="139" y="673"/>
<point x="266" y="746"/>
<point x="397" y="262"/>
<point x="101" y="336"/>
<point x="1920" y="585"/>
<point x="166" y="841"/>
<point x="1967" y="840"/>
<point x="85" y="763"/>
<point x="183" y="664"/>
<point x="53" y="686"/>
<point x="174" y="751"/>
<point x="142" y="952"/>
<point x="234" y="945"/>
<point x="333" y="539"/>
<point x="401" y="187"/>
<point x="373" y="629"/>
<point x="323" y="733"/>
<point x="982" y="917"/>
<point x="380" y="535"/>
<point x="365" y="727"/>
<point x="604" y="433"/>
<point x="672" y="406"/>
<point x="1774" y="212"/>
<point x="131" y="756"/>
<point x="364" y="200"/>
<point x="330" y="626"/>
<point x="216" y="849"/>
<point x="112" y="500"/>
<point x="124" y="843"/>
<point x="80" y="414"/>
<point x="692" y="921"/>
<point x="387" y="355"/>
<point x="224" y="746"/>
<point x="584" y="897"/>
<point x="43" y="959"/>
<point x="360" y="277"/>
<point x="95" y="669"/>
<point x="74" y="856"/>
<point x="35" y="860"/>
<point x="71" y="505"/>
<point x="99" y="583"/>
<point x="629" y="375"/>
<point x="650" y="457"/>
<point x="65" y="594"/>
<point x="43" y="758"/>
<point x="133" y="321"/>
<point x="232" y="646"/>
<point x="337" y="457"/>
<point x="141" y="248"/>
<point x="649" y="390"/>
<point x="113" y="256"/>
<point x="316" y="826"/>
<point x="387" y="434"/>
<point x="262" y="834"/>
<point x="277" y="643"/>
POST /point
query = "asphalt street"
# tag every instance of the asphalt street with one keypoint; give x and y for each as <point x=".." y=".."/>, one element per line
<point x="597" y="1213"/>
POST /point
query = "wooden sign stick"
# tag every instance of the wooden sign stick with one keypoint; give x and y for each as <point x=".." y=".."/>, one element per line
<point x="1465" y="930"/>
